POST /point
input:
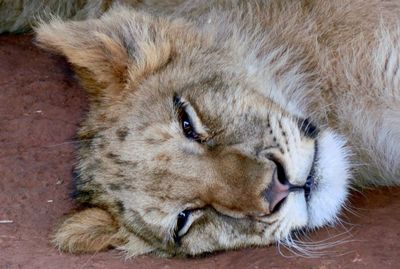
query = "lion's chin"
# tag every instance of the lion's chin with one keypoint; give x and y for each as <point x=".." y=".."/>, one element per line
<point x="332" y="180"/>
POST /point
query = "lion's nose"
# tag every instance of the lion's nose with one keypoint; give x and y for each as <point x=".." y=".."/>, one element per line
<point x="278" y="189"/>
<point x="275" y="194"/>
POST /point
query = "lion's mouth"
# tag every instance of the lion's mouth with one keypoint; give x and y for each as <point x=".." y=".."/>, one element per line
<point x="311" y="181"/>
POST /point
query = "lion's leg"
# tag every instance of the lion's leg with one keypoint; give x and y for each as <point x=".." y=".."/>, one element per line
<point x="18" y="16"/>
<point x="375" y="136"/>
<point x="372" y="112"/>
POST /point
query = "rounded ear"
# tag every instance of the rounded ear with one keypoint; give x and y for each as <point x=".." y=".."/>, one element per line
<point x="93" y="230"/>
<point x="121" y="46"/>
<point x="89" y="230"/>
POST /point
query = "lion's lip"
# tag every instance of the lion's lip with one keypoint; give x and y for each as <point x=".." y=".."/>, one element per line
<point x="311" y="180"/>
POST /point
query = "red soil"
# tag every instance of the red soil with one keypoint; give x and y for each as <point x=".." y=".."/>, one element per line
<point x="41" y="106"/>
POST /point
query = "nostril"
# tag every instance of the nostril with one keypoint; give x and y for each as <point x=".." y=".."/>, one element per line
<point x="276" y="207"/>
<point x="275" y="194"/>
<point x="278" y="189"/>
<point x="280" y="172"/>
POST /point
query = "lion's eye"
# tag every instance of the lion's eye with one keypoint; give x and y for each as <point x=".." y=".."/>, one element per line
<point x="308" y="129"/>
<point x="181" y="224"/>
<point x="185" y="120"/>
<point x="187" y="126"/>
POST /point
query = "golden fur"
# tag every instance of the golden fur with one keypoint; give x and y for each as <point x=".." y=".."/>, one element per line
<point x="248" y="74"/>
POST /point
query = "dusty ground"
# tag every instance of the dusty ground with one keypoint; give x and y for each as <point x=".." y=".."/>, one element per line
<point x="40" y="108"/>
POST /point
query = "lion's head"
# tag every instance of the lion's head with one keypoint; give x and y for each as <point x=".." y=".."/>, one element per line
<point x="190" y="144"/>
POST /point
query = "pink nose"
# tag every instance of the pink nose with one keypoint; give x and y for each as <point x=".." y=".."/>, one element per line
<point x="276" y="192"/>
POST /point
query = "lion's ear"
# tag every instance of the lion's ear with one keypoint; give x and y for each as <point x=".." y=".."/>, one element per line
<point x="93" y="230"/>
<point x="89" y="230"/>
<point x="120" y="47"/>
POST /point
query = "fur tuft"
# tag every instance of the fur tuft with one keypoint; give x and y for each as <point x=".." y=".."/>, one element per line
<point x="90" y="230"/>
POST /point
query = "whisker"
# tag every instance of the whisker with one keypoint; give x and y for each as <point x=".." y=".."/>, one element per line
<point x="295" y="244"/>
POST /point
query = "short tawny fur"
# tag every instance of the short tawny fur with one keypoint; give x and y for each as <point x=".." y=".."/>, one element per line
<point x="251" y="70"/>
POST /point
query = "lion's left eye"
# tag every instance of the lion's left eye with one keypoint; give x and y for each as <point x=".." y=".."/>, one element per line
<point x="181" y="224"/>
<point x="308" y="128"/>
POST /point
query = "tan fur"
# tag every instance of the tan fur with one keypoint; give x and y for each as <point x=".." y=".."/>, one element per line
<point x="91" y="229"/>
<point x="249" y="71"/>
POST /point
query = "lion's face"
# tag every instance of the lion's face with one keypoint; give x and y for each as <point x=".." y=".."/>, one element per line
<point x="182" y="152"/>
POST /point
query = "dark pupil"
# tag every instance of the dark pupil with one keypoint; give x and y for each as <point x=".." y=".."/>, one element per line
<point x="180" y="223"/>
<point x="187" y="127"/>
<point x="182" y="219"/>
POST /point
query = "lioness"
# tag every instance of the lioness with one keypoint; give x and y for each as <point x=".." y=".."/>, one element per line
<point x="223" y="124"/>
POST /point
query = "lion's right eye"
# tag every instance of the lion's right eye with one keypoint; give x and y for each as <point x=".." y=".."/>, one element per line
<point x="185" y="120"/>
<point x="187" y="126"/>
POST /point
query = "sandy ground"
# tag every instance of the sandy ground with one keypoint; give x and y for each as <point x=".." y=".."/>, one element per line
<point x="41" y="106"/>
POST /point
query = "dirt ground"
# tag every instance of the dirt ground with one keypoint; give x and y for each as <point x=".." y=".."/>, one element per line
<point x="41" y="106"/>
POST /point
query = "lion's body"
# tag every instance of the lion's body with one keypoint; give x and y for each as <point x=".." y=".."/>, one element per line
<point x="248" y="73"/>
